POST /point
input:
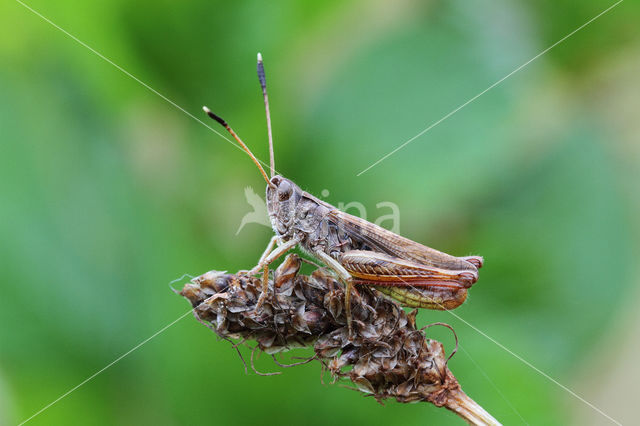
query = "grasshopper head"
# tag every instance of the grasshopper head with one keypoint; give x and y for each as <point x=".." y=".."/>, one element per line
<point x="282" y="199"/>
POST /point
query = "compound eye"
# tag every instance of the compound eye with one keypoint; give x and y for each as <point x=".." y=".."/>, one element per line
<point x="284" y="191"/>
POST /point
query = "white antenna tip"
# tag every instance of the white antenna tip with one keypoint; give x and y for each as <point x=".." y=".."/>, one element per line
<point x="205" y="109"/>
<point x="259" y="57"/>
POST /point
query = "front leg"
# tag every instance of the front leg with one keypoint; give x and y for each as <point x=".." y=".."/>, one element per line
<point x="345" y="276"/>
<point x="264" y="263"/>
<point x="266" y="253"/>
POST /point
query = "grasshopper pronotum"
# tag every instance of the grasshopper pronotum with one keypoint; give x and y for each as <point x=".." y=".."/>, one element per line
<point x="359" y="252"/>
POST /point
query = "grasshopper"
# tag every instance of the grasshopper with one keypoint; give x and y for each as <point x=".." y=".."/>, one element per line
<point x="359" y="252"/>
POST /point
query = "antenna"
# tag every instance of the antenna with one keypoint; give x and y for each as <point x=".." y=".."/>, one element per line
<point x="263" y="84"/>
<point x="248" y="151"/>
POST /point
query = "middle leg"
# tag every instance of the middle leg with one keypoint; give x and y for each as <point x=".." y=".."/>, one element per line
<point x="346" y="278"/>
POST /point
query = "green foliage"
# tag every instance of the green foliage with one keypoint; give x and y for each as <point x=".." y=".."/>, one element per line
<point x="109" y="192"/>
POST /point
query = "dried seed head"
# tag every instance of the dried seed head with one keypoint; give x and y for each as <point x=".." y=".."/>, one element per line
<point x="387" y="356"/>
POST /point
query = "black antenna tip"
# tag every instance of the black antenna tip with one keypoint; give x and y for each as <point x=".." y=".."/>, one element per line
<point x="261" y="76"/>
<point x="215" y="117"/>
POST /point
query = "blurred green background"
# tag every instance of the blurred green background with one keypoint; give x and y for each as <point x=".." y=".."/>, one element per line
<point x="108" y="192"/>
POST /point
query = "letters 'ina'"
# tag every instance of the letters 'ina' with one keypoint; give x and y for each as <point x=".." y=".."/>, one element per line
<point x="359" y="252"/>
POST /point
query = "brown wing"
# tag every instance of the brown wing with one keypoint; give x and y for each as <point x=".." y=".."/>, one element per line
<point x="375" y="268"/>
<point x="376" y="238"/>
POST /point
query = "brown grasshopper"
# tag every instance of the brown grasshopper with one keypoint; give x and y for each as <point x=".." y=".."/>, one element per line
<point x="359" y="252"/>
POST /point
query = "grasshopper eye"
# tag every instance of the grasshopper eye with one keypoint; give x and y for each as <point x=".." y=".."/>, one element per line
<point x="284" y="191"/>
